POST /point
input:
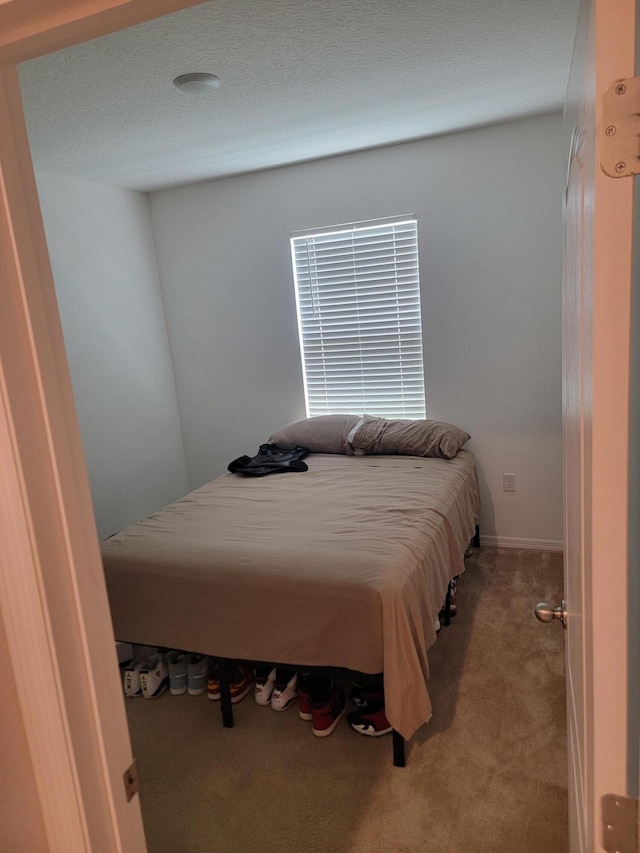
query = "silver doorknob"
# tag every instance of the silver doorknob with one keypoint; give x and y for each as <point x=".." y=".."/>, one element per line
<point x="547" y="613"/>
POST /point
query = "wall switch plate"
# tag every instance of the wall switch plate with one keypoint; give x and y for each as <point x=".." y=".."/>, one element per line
<point x="509" y="482"/>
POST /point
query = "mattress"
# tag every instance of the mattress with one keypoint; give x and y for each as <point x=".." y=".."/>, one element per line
<point x="344" y="565"/>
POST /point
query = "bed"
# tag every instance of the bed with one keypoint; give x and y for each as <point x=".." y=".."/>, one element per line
<point x="346" y="564"/>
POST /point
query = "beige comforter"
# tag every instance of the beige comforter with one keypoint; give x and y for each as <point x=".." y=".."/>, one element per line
<point x="344" y="565"/>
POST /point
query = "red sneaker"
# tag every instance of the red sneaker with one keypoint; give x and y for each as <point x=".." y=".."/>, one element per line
<point x="326" y="717"/>
<point x="213" y="682"/>
<point x="370" y="721"/>
<point x="304" y="703"/>
<point x="243" y="680"/>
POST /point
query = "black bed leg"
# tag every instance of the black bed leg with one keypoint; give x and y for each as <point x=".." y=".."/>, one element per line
<point x="447" y="607"/>
<point x="226" y="672"/>
<point x="476" y="537"/>
<point x="399" y="759"/>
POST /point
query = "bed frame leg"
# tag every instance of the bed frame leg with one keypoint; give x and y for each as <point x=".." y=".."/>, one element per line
<point x="476" y="537"/>
<point x="447" y="607"/>
<point x="226" y="672"/>
<point x="399" y="758"/>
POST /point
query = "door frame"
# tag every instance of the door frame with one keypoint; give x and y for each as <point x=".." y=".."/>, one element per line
<point x="53" y="602"/>
<point x="596" y="356"/>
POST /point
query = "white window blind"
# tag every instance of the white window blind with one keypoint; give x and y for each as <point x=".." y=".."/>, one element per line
<point x="358" y="298"/>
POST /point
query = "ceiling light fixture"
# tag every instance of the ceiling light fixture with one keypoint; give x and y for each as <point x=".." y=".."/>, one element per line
<point x="197" y="83"/>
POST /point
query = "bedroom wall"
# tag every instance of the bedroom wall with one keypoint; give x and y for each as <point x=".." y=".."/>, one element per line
<point x="488" y="203"/>
<point x="104" y="267"/>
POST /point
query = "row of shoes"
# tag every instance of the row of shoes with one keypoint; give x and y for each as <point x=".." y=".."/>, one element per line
<point x="278" y="687"/>
<point x="326" y="709"/>
<point x="274" y="686"/>
<point x="181" y="672"/>
<point x="283" y="687"/>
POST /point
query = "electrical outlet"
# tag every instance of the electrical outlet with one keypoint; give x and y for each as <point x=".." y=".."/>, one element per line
<point x="509" y="482"/>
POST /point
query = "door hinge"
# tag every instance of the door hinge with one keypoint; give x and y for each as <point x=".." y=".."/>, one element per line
<point x="620" y="131"/>
<point x="619" y="823"/>
<point x="131" y="781"/>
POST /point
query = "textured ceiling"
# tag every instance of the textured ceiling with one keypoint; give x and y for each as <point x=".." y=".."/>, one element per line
<point x="301" y="79"/>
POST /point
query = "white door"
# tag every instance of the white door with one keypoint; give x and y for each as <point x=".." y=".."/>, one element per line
<point x="596" y="349"/>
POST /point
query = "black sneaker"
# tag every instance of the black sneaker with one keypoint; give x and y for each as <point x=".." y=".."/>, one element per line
<point x="363" y="697"/>
<point x="371" y="721"/>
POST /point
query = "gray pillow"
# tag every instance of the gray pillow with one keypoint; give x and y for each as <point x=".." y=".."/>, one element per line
<point x="408" y="438"/>
<point x="322" y="434"/>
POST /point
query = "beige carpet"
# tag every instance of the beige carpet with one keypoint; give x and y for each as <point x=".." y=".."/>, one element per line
<point x="488" y="773"/>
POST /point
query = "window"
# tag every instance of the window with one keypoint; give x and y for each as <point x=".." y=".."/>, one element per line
<point x="358" y="298"/>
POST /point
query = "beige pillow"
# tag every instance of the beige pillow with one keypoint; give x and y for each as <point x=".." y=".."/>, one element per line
<point x="322" y="434"/>
<point x="408" y="438"/>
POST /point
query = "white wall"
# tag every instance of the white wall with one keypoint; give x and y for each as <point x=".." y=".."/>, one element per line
<point x="105" y="273"/>
<point x="488" y="203"/>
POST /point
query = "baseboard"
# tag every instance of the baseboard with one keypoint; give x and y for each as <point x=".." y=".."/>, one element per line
<point x="516" y="542"/>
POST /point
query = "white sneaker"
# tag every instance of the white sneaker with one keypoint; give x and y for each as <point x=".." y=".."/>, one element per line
<point x="264" y="687"/>
<point x="131" y="678"/>
<point x="154" y="676"/>
<point x="197" y="672"/>
<point x="177" y="663"/>
<point x="285" y="694"/>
